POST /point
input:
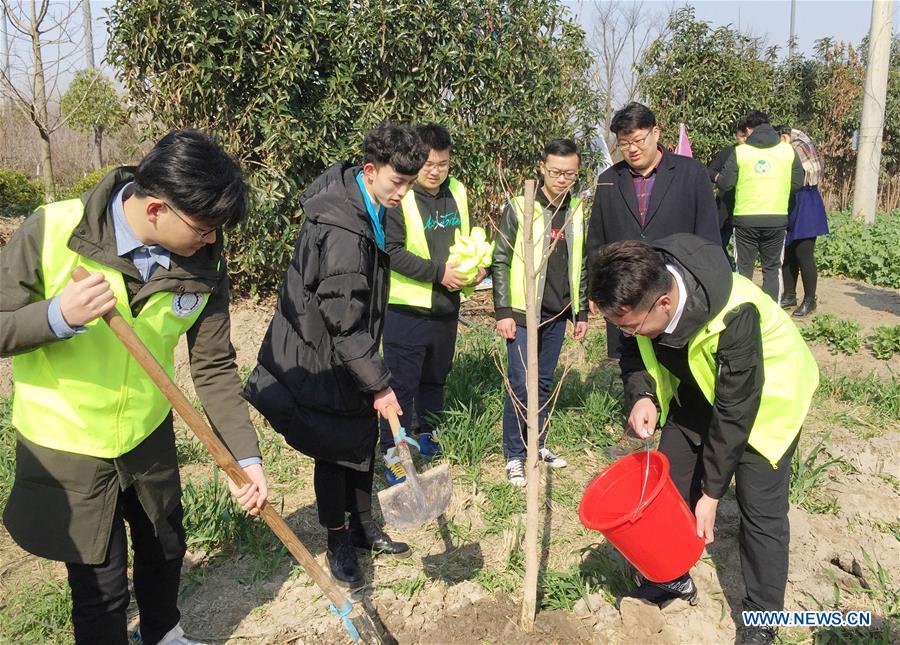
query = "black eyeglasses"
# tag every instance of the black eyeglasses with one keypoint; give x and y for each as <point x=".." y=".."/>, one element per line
<point x="631" y="334"/>
<point x="201" y="233"/>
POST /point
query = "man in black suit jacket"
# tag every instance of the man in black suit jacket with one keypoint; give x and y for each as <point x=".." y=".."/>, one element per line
<point x="650" y="194"/>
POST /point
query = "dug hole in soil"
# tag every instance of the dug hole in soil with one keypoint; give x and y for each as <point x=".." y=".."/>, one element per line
<point x="436" y="596"/>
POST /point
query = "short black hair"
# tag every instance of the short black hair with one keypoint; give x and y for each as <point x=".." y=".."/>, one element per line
<point x="560" y="148"/>
<point x="627" y="275"/>
<point x="395" y="145"/>
<point x="753" y="119"/>
<point x="434" y="136"/>
<point x="634" y="116"/>
<point x="190" y="170"/>
<point x="783" y="129"/>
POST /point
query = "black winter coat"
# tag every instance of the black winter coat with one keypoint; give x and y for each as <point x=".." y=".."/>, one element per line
<point x="318" y="366"/>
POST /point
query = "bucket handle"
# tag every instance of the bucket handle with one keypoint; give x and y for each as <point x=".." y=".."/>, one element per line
<point x="638" y="510"/>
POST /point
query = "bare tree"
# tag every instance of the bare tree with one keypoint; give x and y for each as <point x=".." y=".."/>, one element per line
<point x="621" y="34"/>
<point x="30" y="81"/>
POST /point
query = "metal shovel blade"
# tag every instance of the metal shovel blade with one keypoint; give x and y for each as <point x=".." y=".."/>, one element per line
<point x="402" y="508"/>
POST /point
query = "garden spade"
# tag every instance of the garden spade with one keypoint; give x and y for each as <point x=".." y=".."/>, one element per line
<point x="422" y="497"/>
<point x="363" y="624"/>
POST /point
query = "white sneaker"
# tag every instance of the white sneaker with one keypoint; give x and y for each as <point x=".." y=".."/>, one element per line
<point x="551" y="460"/>
<point x="515" y="472"/>
<point x="175" y="636"/>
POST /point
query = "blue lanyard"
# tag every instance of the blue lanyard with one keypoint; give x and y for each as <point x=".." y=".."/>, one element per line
<point x="376" y="218"/>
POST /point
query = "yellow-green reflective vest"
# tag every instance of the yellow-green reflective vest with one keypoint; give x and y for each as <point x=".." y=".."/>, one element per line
<point x="764" y="179"/>
<point x="405" y="290"/>
<point x="86" y="394"/>
<point x="542" y="241"/>
<point x="789" y="370"/>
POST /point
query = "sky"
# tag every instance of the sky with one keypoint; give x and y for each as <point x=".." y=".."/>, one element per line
<point x="839" y="19"/>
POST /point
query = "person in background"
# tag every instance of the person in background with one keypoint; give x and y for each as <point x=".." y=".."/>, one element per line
<point x="806" y="221"/>
<point x="724" y="200"/>
<point x="561" y="293"/>
<point x="648" y="195"/>
<point x="423" y="306"/>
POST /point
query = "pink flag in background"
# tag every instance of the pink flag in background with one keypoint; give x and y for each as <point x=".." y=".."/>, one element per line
<point x="684" y="144"/>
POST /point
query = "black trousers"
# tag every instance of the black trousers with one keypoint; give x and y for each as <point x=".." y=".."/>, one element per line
<point x="341" y="490"/>
<point x="100" y="592"/>
<point x="418" y="351"/>
<point x="800" y="258"/>
<point x="768" y="245"/>
<point x="762" y="497"/>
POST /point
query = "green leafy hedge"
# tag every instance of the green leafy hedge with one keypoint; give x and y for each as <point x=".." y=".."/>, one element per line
<point x="863" y="252"/>
<point x="86" y="183"/>
<point x="18" y="194"/>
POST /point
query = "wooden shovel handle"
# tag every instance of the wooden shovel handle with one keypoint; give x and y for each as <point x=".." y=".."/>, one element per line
<point x="214" y="445"/>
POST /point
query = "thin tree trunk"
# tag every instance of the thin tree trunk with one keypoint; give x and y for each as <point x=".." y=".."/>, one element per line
<point x="98" y="148"/>
<point x="40" y="105"/>
<point x="529" y="596"/>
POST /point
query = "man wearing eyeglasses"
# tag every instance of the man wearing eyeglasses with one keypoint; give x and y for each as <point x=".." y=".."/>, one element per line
<point x="561" y="293"/>
<point x="650" y="194"/>
<point x="95" y="445"/>
<point x="423" y="306"/>
<point x="721" y="369"/>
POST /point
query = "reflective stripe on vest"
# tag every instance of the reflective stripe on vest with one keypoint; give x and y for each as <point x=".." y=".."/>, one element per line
<point x="790" y="373"/>
<point x="405" y="290"/>
<point x="764" y="179"/>
<point x="542" y="241"/>
<point x="86" y="394"/>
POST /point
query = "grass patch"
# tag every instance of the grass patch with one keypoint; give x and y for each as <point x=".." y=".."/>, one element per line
<point x="601" y="570"/>
<point x="885" y="342"/>
<point x="189" y="449"/>
<point x="807" y="474"/>
<point x="843" y="336"/>
<point x="881" y="396"/>
<point x="503" y="502"/>
<point x="212" y="519"/>
<point x="7" y="450"/>
<point x="407" y="588"/>
<point x="39" y="614"/>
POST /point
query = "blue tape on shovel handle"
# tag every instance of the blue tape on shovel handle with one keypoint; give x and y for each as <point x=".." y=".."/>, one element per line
<point x="405" y="438"/>
<point x="344" y="614"/>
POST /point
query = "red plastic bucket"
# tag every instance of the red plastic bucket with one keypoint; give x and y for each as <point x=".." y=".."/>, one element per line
<point x="659" y="538"/>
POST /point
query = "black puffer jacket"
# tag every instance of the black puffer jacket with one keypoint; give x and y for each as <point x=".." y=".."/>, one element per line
<point x="318" y="366"/>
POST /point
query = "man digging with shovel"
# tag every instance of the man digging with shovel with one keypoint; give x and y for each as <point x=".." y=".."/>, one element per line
<point x="95" y="446"/>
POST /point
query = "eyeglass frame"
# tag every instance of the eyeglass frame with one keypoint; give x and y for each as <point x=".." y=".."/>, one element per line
<point x="199" y="232"/>
<point x="636" y="332"/>
<point x="638" y="144"/>
<point x="568" y="174"/>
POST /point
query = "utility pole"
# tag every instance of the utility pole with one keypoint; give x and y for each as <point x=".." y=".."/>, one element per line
<point x="868" y="160"/>
<point x="88" y="34"/>
<point x="792" y="41"/>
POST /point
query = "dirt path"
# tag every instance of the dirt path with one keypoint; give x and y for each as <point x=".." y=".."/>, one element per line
<point x="455" y="590"/>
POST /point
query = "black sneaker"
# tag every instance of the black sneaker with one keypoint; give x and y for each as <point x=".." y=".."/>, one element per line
<point x="370" y="537"/>
<point x="659" y="593"/>
<point x="757" y="636"/>
<point x="342" y="559"/>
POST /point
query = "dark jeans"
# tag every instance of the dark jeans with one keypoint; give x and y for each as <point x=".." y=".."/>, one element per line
<point x="341" y="490"/>
<point x="762" y="497"/>
<point x="418" y="351"/>
<point x="768" y="244"/>
<point x="550" y="340"/>
<point x="800" y="258"/>
<point x="100" y="592"/>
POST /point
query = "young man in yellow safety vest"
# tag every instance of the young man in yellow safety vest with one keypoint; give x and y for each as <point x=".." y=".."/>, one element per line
<point x="95" y="446"/>
<point x="723" y="370"/>
<point x="559" y="224"/>
<point x="423" y="307"/>
<point x="764" y="173"/>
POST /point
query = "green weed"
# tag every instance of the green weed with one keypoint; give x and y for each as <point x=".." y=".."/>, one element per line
<point x="600" y="570"/>
<point x="189" y="449"/>
<point x="806" y="473"/>
<point x="7" y="450"/>
<point x="841" y="335"/>
<point x="212" y="519"/>
<point x="503" y="502"/>
<point x="885" y="342"/>
<point x="39" y="614"/>
<point x="407" y="588"/>
<point x="882" y="396"/>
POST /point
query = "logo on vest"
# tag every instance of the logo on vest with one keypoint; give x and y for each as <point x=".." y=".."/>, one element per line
<point x="762" y="167"/>
<point x="185" y="304"/>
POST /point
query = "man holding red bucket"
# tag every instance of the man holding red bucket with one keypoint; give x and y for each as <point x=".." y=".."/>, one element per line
<point x="724" y="371"/>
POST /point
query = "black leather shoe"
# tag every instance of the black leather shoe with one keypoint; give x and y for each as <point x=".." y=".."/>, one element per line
<point x="806" y="307"/>
<point x="757" y="636"/>
<point x="659" y="593"/>
<point x="368" y="536"/>
<point x="788" y="301"/>
<point x="342" y="559"/>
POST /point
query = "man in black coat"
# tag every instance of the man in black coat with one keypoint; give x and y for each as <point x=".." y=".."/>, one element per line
<point x="648" y="195"/>
<point x="320" y="381"/>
